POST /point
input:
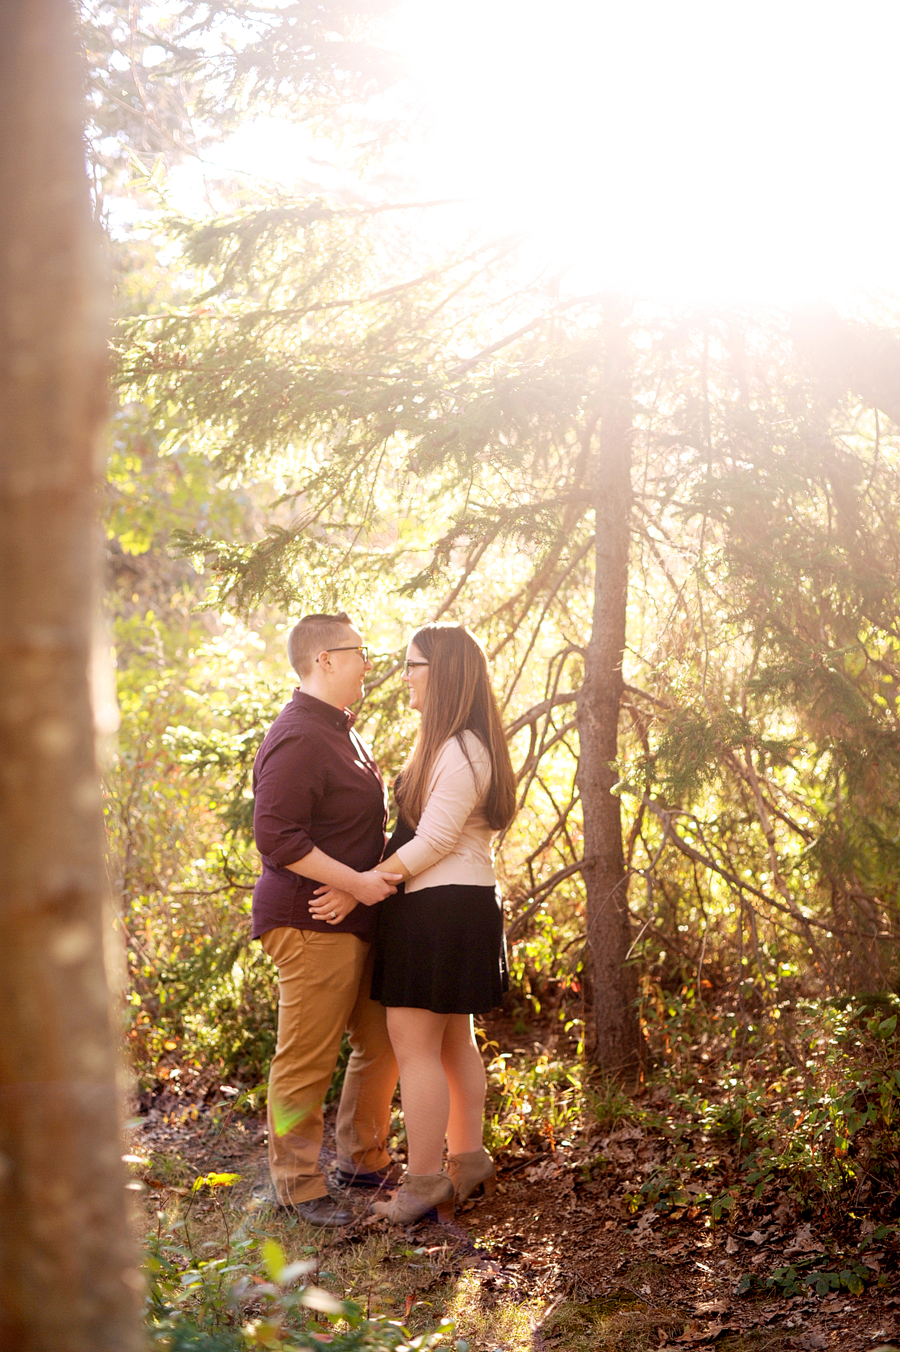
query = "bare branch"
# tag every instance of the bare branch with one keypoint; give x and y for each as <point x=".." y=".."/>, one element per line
<point x="539" y="710"/>
<point x="540" y="895"/>
<point x="666" y="815"/>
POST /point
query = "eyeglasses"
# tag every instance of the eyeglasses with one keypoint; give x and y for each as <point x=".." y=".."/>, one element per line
<point x="356" y="648"/>
<point x="409" y="665"/>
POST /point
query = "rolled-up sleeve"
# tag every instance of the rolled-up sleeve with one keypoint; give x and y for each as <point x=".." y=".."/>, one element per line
<point x="453" y="794"/>
<point x="289" y="781"/>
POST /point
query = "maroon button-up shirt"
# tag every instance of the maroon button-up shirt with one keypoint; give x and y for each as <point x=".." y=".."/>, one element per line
<point x="314" y="783"/>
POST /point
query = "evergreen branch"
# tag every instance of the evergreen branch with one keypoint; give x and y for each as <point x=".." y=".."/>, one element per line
<point x="645" y="694"/>
<point x="553" y="592"/>
<point x="533" y="324"/>
<point x="473" y="558"/>
<point x="532" y="764"/>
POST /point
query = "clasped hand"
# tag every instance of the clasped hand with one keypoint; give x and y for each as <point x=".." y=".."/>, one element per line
<point x="333" y="905"/>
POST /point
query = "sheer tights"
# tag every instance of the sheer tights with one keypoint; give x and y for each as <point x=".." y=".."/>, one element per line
<point x="442" y="1084"/>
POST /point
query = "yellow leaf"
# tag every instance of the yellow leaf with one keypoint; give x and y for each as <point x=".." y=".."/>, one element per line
<point x="274" y="1259"/>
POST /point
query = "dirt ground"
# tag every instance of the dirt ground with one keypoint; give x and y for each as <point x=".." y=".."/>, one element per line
<point x="554" y="1239"/>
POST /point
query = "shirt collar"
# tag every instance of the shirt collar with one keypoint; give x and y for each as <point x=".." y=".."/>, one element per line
<point x="337" y="718"/>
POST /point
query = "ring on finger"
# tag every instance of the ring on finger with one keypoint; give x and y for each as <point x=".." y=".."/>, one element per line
<point x="334" y="915"/>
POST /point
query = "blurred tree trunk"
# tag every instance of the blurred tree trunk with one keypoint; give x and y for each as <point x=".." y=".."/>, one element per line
<point x="66" y="1281"/>
<point x="612" y="1034"/>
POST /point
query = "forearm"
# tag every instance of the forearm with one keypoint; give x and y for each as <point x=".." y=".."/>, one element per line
<point x="394" y="864"/>
<point x="368" y="888"/>
<point x="323" y="869"/>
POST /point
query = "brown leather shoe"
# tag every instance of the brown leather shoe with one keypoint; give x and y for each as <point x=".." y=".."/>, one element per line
<point x="325" y="1210"/>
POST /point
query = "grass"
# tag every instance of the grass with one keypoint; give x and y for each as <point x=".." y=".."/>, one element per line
<point x="618" y="1323"/>
<point x="485" y="1320"/>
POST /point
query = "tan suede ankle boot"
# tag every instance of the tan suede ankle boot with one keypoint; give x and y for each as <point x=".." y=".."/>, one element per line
<point x="417" y="1194"/>
<point x="470" y="1168"/>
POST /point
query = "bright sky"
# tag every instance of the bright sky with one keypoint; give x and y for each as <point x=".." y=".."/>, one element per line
<point x="680" y="149"/>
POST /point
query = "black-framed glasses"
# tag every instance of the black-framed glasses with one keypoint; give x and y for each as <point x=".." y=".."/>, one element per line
<point x="408" y="666"/>
<point x="355" y="648"/>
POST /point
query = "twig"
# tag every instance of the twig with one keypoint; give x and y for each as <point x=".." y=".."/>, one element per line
<point x="541" y="893"/>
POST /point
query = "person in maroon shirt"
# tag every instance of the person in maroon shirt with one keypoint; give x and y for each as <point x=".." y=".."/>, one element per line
<point x="319" y="817"/>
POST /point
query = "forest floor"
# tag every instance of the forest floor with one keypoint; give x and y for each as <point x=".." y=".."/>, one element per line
<point x="558" y="1258"/>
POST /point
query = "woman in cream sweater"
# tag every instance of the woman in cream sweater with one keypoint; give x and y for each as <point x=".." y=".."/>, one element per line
<point x="439" y="952"/>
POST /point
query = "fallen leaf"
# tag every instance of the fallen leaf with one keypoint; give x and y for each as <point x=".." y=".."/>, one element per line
<point x="699" y="1333"/>
<point x="757" y="1237"/>
<point x="540" y="1173"/>
<point x="619" y="1154"/>
<point x="731" y="1244"/>
<point x="711" y="1307"/>
<point x="623" y="1134"/>
<point x="803" y="1242"/>
<point x="784" y="1211"/>
<point x="811" y="1341"/>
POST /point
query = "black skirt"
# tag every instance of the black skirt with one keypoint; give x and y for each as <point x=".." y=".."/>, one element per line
<point x="441" y="948"/>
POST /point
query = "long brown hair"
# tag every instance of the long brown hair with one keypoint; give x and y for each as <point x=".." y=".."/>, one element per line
<point x="458" y="696"/>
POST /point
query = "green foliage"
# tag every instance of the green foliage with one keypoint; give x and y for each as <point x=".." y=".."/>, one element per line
<point x="819" y="1122"/>
<point x="532" y="1098"/>
<point x="178" y="802"/>
<point x="691" y="749"/>
<point x="166" y="83"/>
<point x="802" y="1279"/>
<point x="220" y="1304"/>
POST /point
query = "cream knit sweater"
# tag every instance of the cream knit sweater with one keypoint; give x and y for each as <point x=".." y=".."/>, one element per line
<point x="453" y="840"/>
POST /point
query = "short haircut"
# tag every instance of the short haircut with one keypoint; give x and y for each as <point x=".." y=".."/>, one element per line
<point x="312" y="635"/>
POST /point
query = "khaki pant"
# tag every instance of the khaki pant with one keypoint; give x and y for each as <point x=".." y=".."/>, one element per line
<point x="324" y="980"/>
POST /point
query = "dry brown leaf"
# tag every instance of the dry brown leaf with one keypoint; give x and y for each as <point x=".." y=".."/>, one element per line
<point x="812" y="1340"/>
<point x="711" y="1307"/>
<point x="543" y="1172"/>
<point x="624" y="1134"/>
<point x="699" y="1333"/>
<point x="803" y="1242"/>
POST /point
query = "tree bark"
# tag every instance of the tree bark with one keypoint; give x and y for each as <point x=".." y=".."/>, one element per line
<point x="613" y="1033"/>
<point x="67" y="1283"/>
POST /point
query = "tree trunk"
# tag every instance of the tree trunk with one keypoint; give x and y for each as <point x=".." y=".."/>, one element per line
<point x="612" y="1034"/>
<point x="66" y="1278"/>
